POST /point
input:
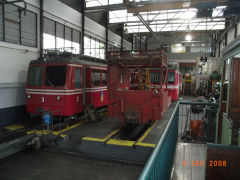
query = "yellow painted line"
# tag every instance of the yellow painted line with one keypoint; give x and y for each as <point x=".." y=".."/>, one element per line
<point x="73" y="126"/>
<point x="102" y="139"/>
<point x="93" y="139"/>
<point x="14" y="127"/>
<point x="32" y="131"/>
<point x="146" y="133"/>
<point x="103" y="114"/>
<point x="62" y="135"/>
<point x="45" y="132"/>
<point x="111" y="134"/>
<point x="146" y="144"/>
<point x="121" y="142"/>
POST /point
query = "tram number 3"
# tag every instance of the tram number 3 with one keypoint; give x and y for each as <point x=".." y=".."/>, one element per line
<point x="42" y="99"/>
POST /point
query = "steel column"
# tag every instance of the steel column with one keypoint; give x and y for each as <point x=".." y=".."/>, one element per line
<point x="41" y="28"/>
<point x="83" y="7"/>
<point x="106" y="32"/>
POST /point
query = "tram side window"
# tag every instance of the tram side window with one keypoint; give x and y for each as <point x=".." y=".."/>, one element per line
<point x="35" y="76"/>
<point x="55" y="76"/>
<point x="104" y="78"/>
<point x="171" y="77"/>
<point x="155" y="77"/>
<point x="96" y="77"/>
<point x="77" y="78"/>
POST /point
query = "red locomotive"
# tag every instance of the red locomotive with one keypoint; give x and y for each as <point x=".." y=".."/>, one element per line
<point x="63" y="85"/>
<point x="137" y="86"/>
<point x="174" y="83"/>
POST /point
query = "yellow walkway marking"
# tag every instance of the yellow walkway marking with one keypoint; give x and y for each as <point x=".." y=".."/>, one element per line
<point x="14" y="127"/>
<point x="45" y="132"/>
<point x="139" y="142"/>
<point x="146" y="145"/>
<point x="102" y="139"/>
<point x="121" y="142"/>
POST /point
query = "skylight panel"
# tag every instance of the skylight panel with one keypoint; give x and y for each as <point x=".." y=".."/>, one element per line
<point x="115" y="1"/>
<point x="92" y="3"/>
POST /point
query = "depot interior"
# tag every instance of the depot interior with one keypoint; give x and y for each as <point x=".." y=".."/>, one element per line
<point x="197" y="137"/>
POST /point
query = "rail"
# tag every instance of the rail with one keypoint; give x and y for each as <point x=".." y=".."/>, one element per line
<point x="159" y="164"/>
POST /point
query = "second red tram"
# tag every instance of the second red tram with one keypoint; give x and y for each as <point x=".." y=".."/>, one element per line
<point x="137" y="87"/>
<point x="174" y="83"/>
<point x="63" y="85"/>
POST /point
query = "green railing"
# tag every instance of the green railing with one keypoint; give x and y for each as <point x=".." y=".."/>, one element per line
<point x="226" y="135"/>
<point x="159" y="164"/>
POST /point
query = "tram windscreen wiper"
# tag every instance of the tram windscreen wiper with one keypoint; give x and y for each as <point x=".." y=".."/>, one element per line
<point x="55" y="76"/>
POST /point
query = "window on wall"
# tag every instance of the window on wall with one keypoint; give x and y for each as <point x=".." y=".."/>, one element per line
<point x="29" y="29"/>
<point x="76" y="39"/>
<point x="178" y="48"/>
<point x="49" y="34"/>
<point x="18" y="27"/>
<point x="94" y="47"/>
<point x="87" y="46"/>
<point x="68" y="39"/>
<point x="61" y="37"/>
<point x="12" y="24"/>
<point x="113" y="48"/>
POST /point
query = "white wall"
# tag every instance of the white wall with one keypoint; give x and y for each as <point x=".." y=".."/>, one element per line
<point x="15" y="58"/>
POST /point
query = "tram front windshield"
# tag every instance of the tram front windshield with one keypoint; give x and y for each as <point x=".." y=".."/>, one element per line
<point x="55" y="76"/>
<point x="171" y="77"/>
<point x="35" y="76"/>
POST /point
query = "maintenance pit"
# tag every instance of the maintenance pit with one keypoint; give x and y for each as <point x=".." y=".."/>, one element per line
<point x="105" y="139"/>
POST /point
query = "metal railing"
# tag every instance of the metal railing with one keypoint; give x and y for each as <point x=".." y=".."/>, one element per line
<point x="159" y="164"/>
<point x="197" y="121"/>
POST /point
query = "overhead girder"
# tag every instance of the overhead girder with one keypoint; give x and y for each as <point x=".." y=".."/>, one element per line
<point x="178" y="5"/>
<point x="127" y="3"/>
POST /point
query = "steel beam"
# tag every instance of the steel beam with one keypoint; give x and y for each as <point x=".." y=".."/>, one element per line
<point x="175" y="5"/>
<point x="129" y="4"/>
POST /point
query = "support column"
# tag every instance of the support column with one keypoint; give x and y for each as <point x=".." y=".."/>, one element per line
<point x="132" y="42"/>
<point x="83" y="7"/>
<point x="122" y="34"/>
<point x="140" y="44"/>
<point x="41" y="28"/>
<point x="106" y="14"/>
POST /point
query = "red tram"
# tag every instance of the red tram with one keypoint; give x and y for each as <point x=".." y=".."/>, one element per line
<point x="137" y="87"/>
<point x="64" y="85"/>
<point x="174" y="83"/>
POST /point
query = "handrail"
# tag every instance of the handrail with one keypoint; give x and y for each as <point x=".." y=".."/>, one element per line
<point x="151" y="161"/>
<point x="199" y="103"/>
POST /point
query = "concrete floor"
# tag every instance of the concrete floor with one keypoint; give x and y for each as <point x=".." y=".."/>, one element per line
<point x="55" y="165"/>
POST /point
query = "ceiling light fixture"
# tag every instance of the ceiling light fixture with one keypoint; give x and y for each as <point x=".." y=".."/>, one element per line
<point x="188" y="37"/>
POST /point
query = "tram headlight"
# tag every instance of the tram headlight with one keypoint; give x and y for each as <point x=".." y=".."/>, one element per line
<point x="58" y="98"/>
<point x="29" y="96"/>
